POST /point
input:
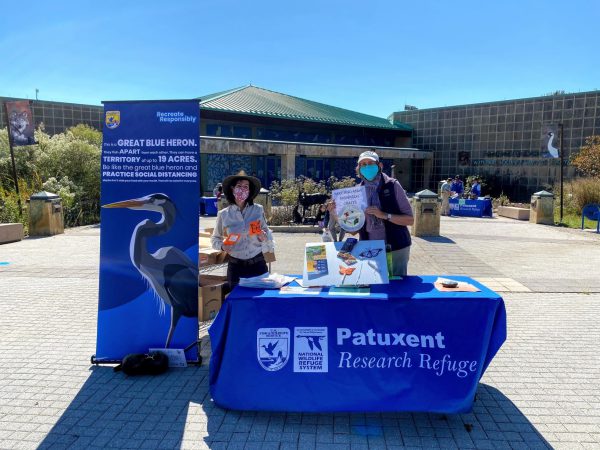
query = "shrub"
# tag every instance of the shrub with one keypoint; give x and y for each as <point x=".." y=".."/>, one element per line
<point x="578" y="193"/>
<point x="67" y="164"/>
<point x="286" y="192"/>
<point x="345" y="182"/>
<point x="67" y="191"/>
<point x="9" y="206"/>
<point x="281" y="215"/>
<point x="501" y="200"/>
<point x="587" y="160"/>
<point x="285" y="195"/>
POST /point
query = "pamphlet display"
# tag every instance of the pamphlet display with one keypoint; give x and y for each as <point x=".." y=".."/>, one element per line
<point x="326" y="265"/>
<point x="350" y="205"/>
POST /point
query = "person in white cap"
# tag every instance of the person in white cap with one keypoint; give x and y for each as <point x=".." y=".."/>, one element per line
<point x="389" y="212"/>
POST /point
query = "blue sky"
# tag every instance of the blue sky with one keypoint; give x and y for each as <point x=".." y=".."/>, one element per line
<point x="371" y="57"/>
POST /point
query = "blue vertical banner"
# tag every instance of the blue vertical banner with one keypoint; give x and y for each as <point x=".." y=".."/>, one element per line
<point x="150" y="174"/>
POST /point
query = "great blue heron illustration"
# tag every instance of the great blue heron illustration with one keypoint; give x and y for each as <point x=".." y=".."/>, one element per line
<point x="313" y="341"/>
<point x="172" y="275"/>
<point x="551" y="149"/>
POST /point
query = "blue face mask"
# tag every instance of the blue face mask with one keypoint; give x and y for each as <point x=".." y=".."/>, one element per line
<point x="369" y="172"/>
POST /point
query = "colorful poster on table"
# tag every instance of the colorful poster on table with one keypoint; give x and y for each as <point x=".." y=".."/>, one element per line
<point x="324" y="265"/>
<point x="149" y="228"/>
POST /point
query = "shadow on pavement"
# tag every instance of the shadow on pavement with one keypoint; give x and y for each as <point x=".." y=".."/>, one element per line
<point x="438" y="239"/>
<point x="495" y="422"/>
<point x="114" y="410"/>
<point x="175" y="410"/>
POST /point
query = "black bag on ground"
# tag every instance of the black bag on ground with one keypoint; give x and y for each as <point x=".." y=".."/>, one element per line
<point x="153" y="363"/>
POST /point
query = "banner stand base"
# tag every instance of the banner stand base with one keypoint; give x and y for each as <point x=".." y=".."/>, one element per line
<point x="198" y="362"/>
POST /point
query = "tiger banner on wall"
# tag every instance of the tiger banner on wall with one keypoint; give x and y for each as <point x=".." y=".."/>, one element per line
<point x="20" y="122"/>
<point x="150" y="172"/>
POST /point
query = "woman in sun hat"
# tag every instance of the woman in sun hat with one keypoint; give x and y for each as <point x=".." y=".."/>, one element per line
<point x="241" y="229"/>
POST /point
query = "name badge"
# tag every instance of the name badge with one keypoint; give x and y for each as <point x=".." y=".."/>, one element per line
<point x="254" y="228"/>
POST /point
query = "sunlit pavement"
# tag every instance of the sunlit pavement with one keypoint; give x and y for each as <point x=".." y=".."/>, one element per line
<point x="540" y="391"/>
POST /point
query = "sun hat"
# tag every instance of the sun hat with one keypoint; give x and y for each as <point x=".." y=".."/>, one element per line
<point x="232" y="180"/>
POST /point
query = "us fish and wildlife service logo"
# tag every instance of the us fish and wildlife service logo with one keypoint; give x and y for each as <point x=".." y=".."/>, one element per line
<point x="311" y="349"/>
<point x="273" y="347"/>
<point x="112" y="119"/>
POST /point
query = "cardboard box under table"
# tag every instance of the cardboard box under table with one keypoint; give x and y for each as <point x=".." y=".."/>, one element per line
<point x="210" y="296"/>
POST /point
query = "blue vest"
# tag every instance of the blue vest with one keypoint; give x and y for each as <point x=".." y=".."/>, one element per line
<point x="397" y="236"/>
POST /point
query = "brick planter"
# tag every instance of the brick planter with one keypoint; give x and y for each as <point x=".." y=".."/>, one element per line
<point x="513" y="212"/>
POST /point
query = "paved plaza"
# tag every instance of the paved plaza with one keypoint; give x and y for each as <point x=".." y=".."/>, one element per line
<point x="542" y="390"/>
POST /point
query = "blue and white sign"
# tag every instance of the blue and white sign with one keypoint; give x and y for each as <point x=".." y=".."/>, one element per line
<point x="149" y="228"/>
<point x="470" y="208"/>
<point x="273" y="347"/>
<point x="310" y="349"/>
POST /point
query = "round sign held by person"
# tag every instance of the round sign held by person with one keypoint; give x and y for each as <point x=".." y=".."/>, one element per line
<point x="352" y="218"/>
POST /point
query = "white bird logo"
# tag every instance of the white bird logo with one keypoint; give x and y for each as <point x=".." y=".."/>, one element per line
<point x="552" y="150"/>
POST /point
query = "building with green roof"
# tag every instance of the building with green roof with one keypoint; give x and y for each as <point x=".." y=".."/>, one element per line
<point x="277" y="136"/>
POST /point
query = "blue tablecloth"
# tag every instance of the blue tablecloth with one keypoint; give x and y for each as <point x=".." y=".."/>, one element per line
<point x="406" y="347"/>
<point x="471" y="208"/>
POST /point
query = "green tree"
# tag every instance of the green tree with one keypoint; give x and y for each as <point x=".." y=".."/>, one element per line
<point x="587" y="160"/>
<point x="67" y="164"/>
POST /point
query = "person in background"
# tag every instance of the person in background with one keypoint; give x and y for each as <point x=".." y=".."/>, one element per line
<point x="388" y="214"/>
<point x="320" y="217"/>
<point x="330" y="222"/>
<point x="218" y="188"/>
<point x="457" y="186"/>
<point x="219" y="191"/>
<point x="247" y="220"/>
<point x="476" y="188"/>
<point x="446" y="190"/>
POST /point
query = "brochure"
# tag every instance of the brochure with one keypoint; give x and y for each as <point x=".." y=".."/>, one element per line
<point x="299" y="290"/>
<point x="316" y="260"/>
<point x="266" y="281"/>
<point x="349" y="290"/>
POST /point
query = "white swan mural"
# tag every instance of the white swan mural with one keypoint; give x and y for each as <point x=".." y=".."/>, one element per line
<point x="551" y="149"/>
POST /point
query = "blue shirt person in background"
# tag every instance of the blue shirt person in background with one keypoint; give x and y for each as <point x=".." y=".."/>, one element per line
<point x="457" y="185"/>
<point x="476" y="188"/>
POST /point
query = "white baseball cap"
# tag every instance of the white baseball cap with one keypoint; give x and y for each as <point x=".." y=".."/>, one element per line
<point x="368" y="155"/>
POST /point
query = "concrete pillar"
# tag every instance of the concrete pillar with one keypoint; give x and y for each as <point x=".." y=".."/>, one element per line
<point x="426" y="209"/>
<point x="288" y="163"/>
<point x="542" y="208"/>
<point x="427" y="169"/>
<point x="402" y="172"/>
